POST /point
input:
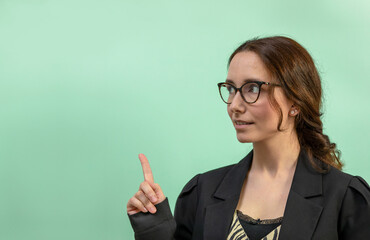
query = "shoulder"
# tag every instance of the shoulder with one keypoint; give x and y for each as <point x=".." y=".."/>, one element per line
<point x="224" y="179"/>
<point x="339" y="183"/>
<point x="354" y="190"/>
<point x="187" y="205"/>
<point x="360" y="185"/>
<point x="215" y="174"/>
<point x="354" y="215"/>
<point x="209" y="178"/>
<point x="335" y="178"/>
<point x="357" y="192"/>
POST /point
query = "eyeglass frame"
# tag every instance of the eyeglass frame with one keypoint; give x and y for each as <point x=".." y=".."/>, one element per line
<point x="259" y="83"/>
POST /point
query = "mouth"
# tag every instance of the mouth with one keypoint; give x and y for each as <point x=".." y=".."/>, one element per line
<point x="242" y="123"/>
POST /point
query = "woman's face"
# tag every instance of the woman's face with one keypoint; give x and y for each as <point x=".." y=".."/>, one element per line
<point x="261" y="117"/>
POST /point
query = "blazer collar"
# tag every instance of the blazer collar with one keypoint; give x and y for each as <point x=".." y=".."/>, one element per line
<point x="307" y="182"/>
<point x="300" y="216"/>
<point x="232" y="183"/>
<point x="218" y="216"/>
<point x="302" y="211"/>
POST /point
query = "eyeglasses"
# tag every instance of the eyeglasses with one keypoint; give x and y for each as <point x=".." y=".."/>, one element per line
<point x="250" y="91"/>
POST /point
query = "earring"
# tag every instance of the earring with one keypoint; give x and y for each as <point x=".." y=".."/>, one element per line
<point x="292" y="112"/>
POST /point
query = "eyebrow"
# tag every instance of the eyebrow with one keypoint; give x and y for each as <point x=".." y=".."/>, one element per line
<point x="244" y="81"/>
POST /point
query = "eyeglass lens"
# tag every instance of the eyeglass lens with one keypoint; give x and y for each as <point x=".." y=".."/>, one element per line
<point x="250" y="92"/>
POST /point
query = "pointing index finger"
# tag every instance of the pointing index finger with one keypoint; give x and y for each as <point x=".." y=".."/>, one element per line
<point x="148" y="175"/>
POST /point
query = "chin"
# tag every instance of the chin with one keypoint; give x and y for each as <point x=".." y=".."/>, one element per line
<point x="244" y="139"/>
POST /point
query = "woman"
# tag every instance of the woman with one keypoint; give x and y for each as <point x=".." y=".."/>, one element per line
<point x="290" y="186"/>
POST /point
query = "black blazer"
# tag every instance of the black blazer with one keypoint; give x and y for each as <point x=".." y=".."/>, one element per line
<point x="334" y="205"/>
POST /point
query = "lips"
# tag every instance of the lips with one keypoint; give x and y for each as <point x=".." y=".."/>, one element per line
<point x="242" y="122"/>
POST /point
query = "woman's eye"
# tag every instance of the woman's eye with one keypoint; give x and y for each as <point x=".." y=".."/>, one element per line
<point x="253" y="88"/>
<point x="230" y="89"/>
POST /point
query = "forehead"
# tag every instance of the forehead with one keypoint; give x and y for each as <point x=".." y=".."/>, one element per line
<point x="247" y="65"/>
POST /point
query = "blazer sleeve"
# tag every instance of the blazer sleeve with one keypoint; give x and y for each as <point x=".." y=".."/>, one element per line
<point x="354" y="215"/>
<point x="185" y="210"/>
<point x="162" y="225"/>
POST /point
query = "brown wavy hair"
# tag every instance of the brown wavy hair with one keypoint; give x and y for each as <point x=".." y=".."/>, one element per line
<point x="293" y="67"/>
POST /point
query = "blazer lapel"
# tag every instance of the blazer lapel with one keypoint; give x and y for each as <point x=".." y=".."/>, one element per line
<point x="218" y="219"/>
<point x="218" y="216"/>
<point x="301" y="214"/>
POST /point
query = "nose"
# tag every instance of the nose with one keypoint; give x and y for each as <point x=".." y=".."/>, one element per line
<point x="237" y="104"/>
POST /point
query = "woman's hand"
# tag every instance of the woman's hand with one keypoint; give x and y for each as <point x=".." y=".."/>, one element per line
<point x="149" y="193"/>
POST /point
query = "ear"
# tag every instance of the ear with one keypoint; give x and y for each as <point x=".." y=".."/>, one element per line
<point x="293" y="111"/>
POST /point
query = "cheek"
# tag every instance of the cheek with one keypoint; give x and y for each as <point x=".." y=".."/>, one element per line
<point x="266" y="114"/>
<point x="229" y="111"/>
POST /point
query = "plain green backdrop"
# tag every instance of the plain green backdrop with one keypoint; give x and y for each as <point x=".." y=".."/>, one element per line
<point x="87" y="85"/>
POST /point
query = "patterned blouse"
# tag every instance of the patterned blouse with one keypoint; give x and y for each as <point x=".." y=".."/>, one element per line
<point x="241" y="221"/>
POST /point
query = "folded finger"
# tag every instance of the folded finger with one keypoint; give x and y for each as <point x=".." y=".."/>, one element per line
<point x="148" y="191"/>
<point x="136" y="203"/>
<point x="158" y="191"/>
<point x="145" y="201"/>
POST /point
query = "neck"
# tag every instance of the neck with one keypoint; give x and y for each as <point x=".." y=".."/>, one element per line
<point x="276" y="156"/>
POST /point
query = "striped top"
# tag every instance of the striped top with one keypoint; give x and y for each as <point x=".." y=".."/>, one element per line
<point x="237" y="231"/>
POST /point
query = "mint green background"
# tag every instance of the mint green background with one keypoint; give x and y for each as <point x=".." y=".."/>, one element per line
<point x="85" y="86"/>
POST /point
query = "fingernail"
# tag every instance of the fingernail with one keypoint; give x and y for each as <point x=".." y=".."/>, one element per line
<point x="153" y="209"/>
<point x="154" y="199"/>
